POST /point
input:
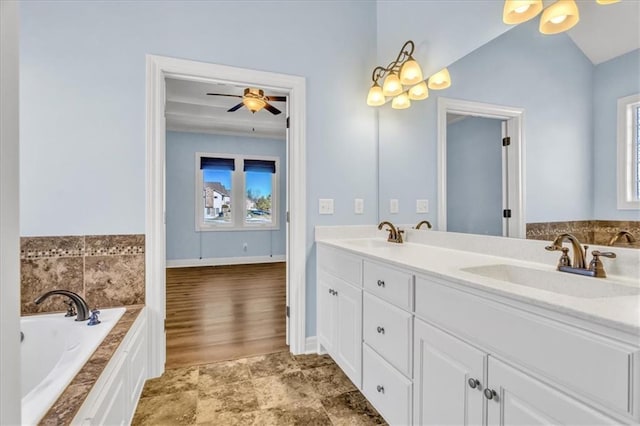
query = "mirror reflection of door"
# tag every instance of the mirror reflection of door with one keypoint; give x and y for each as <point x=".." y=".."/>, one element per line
<point x="475" y="175"/>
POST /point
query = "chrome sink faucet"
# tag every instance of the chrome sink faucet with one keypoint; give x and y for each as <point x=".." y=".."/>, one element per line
<point x="76" y="299"/>
<point x="578" y="265"/>
<point x="395" y="235"/>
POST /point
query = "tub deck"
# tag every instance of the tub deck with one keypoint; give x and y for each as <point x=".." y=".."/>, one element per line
<point x="67" y="405"/>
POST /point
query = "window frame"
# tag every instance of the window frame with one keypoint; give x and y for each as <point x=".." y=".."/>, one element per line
<point x="627" y="138"/>
<point x="238" y="196"/>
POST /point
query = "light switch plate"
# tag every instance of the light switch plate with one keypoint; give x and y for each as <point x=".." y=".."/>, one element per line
<point x="358" y="206"/>
<point x="325" y="206"/>
<point x="394" y="206"/>
<point x="422" y="206"/>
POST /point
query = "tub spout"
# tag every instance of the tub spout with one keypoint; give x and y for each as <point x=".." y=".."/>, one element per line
<point x="81" y="304"/>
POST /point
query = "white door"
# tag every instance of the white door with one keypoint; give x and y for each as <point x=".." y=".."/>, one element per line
<point x="520" y="399"/>
<point x="327" y="307"/>
<point x="448" y="379"/>
<point x="286" y="224"/>
<point x="348" y="350"/>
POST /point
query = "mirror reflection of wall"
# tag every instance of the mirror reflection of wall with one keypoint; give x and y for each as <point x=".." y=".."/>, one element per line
<point x="569" y="131"/>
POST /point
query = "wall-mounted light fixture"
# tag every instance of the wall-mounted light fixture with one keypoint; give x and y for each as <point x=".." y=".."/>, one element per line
<point x="558" y="17"/>
<point x="404" y="81"/>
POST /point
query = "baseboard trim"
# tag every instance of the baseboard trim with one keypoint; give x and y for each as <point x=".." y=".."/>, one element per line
<point x="311" y="345"/>
<point x="219" y="261"/>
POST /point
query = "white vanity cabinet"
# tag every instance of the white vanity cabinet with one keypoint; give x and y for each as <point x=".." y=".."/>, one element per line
<point x="339" y="295"/>
<point x="114" y="397"/>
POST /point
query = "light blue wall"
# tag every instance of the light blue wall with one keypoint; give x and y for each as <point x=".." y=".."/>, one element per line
<point x="82" y="103"/>
<point x="474" y="176"/>
<point x="547" y="76"/>
<point x="183" y="242"/>
<point x="613" y="79"/>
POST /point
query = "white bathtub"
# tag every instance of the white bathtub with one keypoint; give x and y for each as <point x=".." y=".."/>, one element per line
<point x="53" y="351"/>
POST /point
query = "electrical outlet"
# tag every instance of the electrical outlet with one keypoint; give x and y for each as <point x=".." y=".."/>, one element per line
<point x="325" y="206"/>
<point x="358" y="206"/>
<point x="394" y="206"/>
<point x="422" y="206"/>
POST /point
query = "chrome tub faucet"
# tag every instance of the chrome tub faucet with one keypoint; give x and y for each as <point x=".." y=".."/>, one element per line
<point x="80" y="304"/>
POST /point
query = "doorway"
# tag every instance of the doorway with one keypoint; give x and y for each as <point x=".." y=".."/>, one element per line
<point x="480" y="189"/>
<point x="158" y="70"/>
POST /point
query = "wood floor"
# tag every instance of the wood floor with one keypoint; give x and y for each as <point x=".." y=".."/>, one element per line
<point x="217" y="313"/>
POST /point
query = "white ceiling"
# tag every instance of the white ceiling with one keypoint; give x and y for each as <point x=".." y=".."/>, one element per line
<point x="607" y="31"/>
<point x="190" y="109"/>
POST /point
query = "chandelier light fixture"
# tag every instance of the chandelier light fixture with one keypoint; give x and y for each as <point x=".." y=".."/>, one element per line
<point x="403" y="81"/>
<point x="558" y="17"/>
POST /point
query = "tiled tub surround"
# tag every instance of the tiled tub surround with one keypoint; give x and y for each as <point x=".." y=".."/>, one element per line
<point x="107" y="270"/>
<point x="587" y="231"/>
<point x="65" y="408"/>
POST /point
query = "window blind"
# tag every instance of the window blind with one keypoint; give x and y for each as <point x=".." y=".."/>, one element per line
<point x="265" y="166"/>
<point x="209" y="163"/>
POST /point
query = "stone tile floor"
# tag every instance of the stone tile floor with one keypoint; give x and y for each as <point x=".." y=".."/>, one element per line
<point x="274" y="389"/>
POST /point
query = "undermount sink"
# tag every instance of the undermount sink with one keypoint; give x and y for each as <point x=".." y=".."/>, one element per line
<point x="554" y="281"/>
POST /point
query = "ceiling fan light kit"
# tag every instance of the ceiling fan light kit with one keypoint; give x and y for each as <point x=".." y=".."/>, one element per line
<point x="560" y="16"/>
<point x="254" y="100"/>
<point x="404" y="71"/>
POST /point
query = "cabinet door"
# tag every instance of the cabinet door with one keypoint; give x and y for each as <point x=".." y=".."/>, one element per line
<point x="348" y="343"/>
<point x="327" y="306"/>
<point x="448" y="379"/>
<point x="523" y="400"/>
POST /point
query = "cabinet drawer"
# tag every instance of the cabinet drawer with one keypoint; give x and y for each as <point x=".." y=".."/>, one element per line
<point x="388" y="330"/>
<point x="340" y="264"/>
<point x="387" y="389"/>
<point x="389" y="284"/>
<point x="598" y="368"/>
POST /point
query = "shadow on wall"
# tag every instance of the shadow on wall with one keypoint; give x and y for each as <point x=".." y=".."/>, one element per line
<point x="107" y="270"/>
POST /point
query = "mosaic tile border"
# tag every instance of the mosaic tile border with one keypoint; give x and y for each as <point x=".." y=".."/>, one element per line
<point x="78" y="246"/>
<point x="587" y="231"/>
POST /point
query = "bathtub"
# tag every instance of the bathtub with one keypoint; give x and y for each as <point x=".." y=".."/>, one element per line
<point x="54" y="349"/>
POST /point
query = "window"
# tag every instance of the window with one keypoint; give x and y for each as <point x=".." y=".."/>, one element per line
<point x="235" y="192"/>
<point x="629" y="152"/>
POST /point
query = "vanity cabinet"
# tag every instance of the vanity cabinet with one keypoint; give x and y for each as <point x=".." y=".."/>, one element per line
<point x="114" y="397"/>
<point x="434" y="351"/>
<point x="339" y="328"/>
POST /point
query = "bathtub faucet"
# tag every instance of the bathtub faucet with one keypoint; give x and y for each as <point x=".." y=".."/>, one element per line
<point x="81" y="304"/>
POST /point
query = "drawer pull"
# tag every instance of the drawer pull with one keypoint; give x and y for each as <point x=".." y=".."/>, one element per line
<point x="330" y="291"/>
<point x="380" y="283"/>
<point x="380" y="389"/>
<point x="490" y="393"/>
<point x="474" y="383"/>
<point x="380" y="330"/>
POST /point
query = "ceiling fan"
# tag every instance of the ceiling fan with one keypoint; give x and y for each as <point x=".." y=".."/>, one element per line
<point x="254" y="99"/>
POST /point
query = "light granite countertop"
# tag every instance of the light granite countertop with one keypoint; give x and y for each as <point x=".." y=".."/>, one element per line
<point x="618" y="312"/>
<point x="65" y="408"/>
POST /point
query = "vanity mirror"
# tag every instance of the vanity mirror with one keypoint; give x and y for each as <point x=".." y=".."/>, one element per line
<point x="567" y="96"/>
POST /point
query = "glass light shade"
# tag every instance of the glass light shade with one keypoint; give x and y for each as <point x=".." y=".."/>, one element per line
<point x="419" y="92"/>
<point x="254" y="104"/>
<point x="607" y="1"/>
<point x="559" y="17"/>
<point x="401" y="101"/>
<point x="440" y="80"/>
<point x="375" y="96"/>
<point x="410" y="73"/>
<point x="518" y="11"/>
<point x="391" y="86"/>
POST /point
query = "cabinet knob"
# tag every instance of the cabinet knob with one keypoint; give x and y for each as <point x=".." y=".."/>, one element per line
<point x="380" y="330"/>
<point x="474" y="383"/>
<point x="330" y="291"/>
<point x="380" y="283"/>
<point x="490" y="393"/>
<point x="335" y="292"/>
<point x="380" y="388"/>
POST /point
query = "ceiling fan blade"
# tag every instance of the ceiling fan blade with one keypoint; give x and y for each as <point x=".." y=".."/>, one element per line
<point x="235" y="108"/>
<point x="273" y="110"/>
<point x="277" y="98"/>
<point x="224" y="94"/>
